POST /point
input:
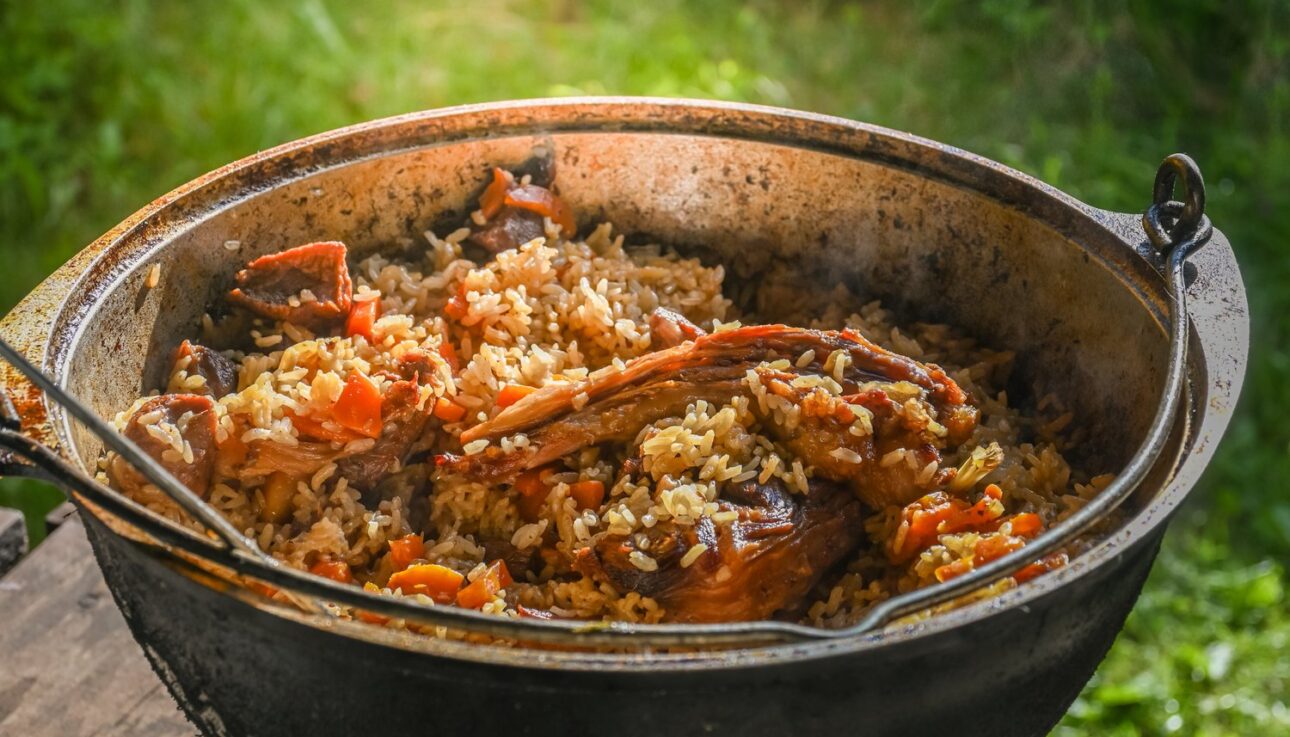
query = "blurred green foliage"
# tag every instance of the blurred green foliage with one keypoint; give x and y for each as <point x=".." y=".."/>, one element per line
<point x="104" y="106"/>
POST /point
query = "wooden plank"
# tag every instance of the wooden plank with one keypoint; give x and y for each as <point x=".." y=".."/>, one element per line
<point x="13" y="538"/>
<point x="68" y="665"/>
<point x="58" y="515"/>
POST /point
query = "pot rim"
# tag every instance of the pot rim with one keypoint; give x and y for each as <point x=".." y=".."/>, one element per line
<point x="49" y="323"/>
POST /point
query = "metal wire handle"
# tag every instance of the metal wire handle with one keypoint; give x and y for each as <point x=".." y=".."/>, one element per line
<point x="1176" y="228"/>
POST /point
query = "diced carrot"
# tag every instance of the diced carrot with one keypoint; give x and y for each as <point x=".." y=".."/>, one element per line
<point x="995" y="547"/>
<point x="362" y="319"/>
<point x="448" y="410"/>
<point x="544" y="202"/>
<point x="1026" y="524"/>
<point x="994" y="492"/>
<point x="263" y="589"/>
<point x="923" y="518"/>
<point x="457" y="305"/>
<point x="979" y="516"/>
<point x="482" y="590"/>
<point x="336" y="570"/>
<point x="1040" y="567"/>
<point x="359" y="406"/>
<point x="530" y="482"/>
<point x="449" y="355"/>
<point x="588" y="494"/>
<point x="311" y="428"/>
<point x="406" y="549"/>
<point x="435" y="581"/>
<point x="953" y="570"/>
<point x="533" y="492"/>
<point x="495" y="194"/>
<point x="371" y="617"/>
<point x="278" y="490"/>
<point x="512" y="393"/>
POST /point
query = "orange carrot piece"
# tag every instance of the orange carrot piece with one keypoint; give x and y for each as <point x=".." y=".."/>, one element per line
<point x="482" y="590"/>
<point x="311" y="428"/>
<point x="953" y="570"/>
<point x="1026" y="524"/>
<point x="406" y="549"/>
<point x="435" y="581"/>
<point x="1041" y="566"/>
<point x="448" y="410"/>
<point x="457" y="306"/>
<point x="512" y="393"/>
<point x="495" y="194"/>
<point x="336" y="570"/>
<point x="449" y="355"/>
<point x="588" y="494"/>
<point x="544" y="202"/>
<point x="359" y="406"/>
<point x="533" y="491"/>
<point x="362" y="319"/>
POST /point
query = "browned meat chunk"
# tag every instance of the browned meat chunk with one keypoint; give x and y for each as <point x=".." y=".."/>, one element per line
<point x="265" y="457"/>
<point x="219" y="372"/>
<point x="511" y="228"/>
<point x="403" y="424"/>
<point x="668" y="329"/>
<point x="274" y="286"/>
<point x="188" y="419"/>
<point x="513" y="211"/>
<point x="615" y="404"/>
<point x="762" y="563"/>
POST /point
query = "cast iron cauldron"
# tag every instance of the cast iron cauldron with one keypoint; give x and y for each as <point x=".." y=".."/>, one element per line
<point x="938" y="233"/>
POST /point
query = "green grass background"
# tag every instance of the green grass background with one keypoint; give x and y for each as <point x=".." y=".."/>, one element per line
<point x="106" y="105"/>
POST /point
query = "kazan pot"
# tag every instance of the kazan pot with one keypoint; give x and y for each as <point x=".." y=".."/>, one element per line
<point x="937" y="233"/>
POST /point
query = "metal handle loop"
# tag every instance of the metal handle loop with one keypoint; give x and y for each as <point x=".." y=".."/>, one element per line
<point x="1167" y="221"/>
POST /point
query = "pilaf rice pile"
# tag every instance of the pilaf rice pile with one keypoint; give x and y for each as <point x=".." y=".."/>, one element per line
<point x="335" y="456"/>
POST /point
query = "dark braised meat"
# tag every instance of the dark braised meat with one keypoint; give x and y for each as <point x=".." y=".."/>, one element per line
<point x="402" y="425"/>
<point x="514" y="212"/>
<point x="668" y="329"/>
<point x="219" y="372"/>
<point x="612" y="405"/>
<point x="763" y="562"/>
<point x="511" y="228"/>
<point x="274" y="286"/>
<point x="193" y="417"/>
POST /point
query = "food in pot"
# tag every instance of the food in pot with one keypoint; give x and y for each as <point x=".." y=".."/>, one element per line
<point x="523" y="421"/>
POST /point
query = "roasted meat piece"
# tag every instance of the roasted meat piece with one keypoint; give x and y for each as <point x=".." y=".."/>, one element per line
<point x="761" y="563"/>
<point x="274" y="286"/>
<point x="402" y="424"/>
<point x="513" y="211"/>
<point x="511" y="228"/>
<point x="668" y="329"/>
<point x="219" y="372"/>
<point x="612" y="405"/>
<point x="186" y="421"/>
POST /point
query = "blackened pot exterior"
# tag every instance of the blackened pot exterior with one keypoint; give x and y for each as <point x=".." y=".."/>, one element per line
<point x="240" y="671"/>
<point x="936" y="232"/>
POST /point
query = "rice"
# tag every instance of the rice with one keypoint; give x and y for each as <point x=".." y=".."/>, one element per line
<point x="557" y="310"/>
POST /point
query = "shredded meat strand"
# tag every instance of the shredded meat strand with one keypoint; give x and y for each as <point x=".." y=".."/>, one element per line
<point x="713" y="368"/>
